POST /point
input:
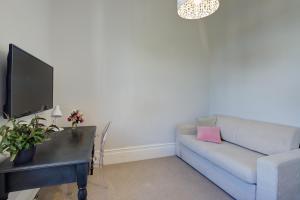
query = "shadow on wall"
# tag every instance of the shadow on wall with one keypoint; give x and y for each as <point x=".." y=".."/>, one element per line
<point x="237" y="20"/>
<point x="2" y="86"/>
<point x="3" y="62"/>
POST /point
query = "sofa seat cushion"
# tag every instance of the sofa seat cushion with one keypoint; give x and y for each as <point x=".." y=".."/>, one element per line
<point x="238" y="161"/>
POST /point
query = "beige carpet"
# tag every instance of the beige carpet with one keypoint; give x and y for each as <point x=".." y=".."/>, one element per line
<point x="157" y="179"/>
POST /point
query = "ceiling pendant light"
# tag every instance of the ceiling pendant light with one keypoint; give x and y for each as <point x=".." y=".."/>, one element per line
<point x="196" y="9"/>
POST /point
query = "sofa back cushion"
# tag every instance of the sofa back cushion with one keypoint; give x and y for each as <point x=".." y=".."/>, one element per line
<point x="262" y="137"/>
<point x="207" y="121"/>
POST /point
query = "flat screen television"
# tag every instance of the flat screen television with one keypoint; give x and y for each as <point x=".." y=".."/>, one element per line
<point x="29" y="84"/>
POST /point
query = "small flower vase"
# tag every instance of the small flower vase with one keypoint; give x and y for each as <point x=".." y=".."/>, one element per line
<point x="74" y="129"/>
<point x="74" y="126"/>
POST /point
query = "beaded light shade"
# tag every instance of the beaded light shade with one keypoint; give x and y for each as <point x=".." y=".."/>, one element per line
<point x="196" y="9"/>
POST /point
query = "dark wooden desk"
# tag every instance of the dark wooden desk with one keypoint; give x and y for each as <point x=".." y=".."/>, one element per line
<point x="66" y="158"/>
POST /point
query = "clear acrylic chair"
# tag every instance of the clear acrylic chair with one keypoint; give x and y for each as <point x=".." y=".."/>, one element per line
<point x="100" y="179"/>
<point x="102" y="144"/>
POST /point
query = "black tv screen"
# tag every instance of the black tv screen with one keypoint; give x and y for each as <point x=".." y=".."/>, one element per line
<point x="29" y="84"/>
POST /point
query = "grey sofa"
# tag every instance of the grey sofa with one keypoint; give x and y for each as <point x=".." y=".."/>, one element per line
<point x="255" y="160"/>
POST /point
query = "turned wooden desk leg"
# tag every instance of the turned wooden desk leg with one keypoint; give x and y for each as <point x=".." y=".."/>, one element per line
<point x="82" y="174"/>
<point x="92" y="163"/>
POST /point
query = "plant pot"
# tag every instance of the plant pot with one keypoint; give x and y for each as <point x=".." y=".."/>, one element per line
<point x="25" y="156"/>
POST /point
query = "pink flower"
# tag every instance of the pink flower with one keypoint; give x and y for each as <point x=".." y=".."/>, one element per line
<point x="76" y="117"/>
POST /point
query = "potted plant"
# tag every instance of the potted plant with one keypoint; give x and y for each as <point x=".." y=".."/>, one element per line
<point x="20" y="139"/>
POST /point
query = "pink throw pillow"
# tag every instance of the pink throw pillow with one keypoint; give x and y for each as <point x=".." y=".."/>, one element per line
<point x="209" y="134"/>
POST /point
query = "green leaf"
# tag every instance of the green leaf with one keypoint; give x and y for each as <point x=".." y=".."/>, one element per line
<point x="18" y="135"/>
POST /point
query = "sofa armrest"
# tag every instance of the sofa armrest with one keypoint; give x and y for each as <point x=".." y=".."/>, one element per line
<point x="278" y="176"/>
<point x="184" y="129"/>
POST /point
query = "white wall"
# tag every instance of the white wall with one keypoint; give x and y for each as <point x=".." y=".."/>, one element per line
<point x="255" y="62"/>
<point x="24" y="23"/>
<point x="26" y="27"/>
<point x="136" y="64"/>
<point x="133" y="62"/>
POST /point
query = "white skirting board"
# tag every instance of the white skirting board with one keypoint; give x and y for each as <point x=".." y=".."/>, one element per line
<point x="135" y="153"/>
